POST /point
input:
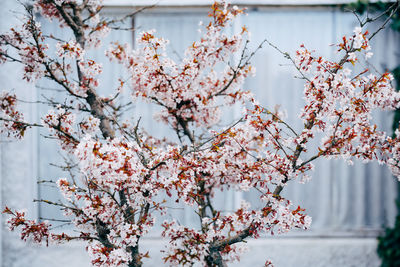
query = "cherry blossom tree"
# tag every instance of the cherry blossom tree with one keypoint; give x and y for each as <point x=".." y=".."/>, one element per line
<point x="124" y="176"/>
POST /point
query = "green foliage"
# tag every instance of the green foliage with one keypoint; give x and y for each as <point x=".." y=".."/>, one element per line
<point x="389" y="246"/>
<point x="363" y="7"/>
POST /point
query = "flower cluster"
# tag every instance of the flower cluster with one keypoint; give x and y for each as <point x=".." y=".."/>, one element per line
<point x="30" y="229"/>
<point x="55" y="9"/>
<point x="90" y="125"/>
<point x="61" y="123"/>
<point x="13" y="121"/>
<point x="28" y="41"/>
<point x="70" y="49"/>
<point x="118" y="166"/>
<point x="189" y="245"/>
<point x="99" y="30"/>
<point x="341" y="106"/>
<point x="188" y="91"/>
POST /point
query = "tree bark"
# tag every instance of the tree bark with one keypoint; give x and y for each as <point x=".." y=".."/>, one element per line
<point x="214" y="259"/>
<point x="135" y="262"/>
